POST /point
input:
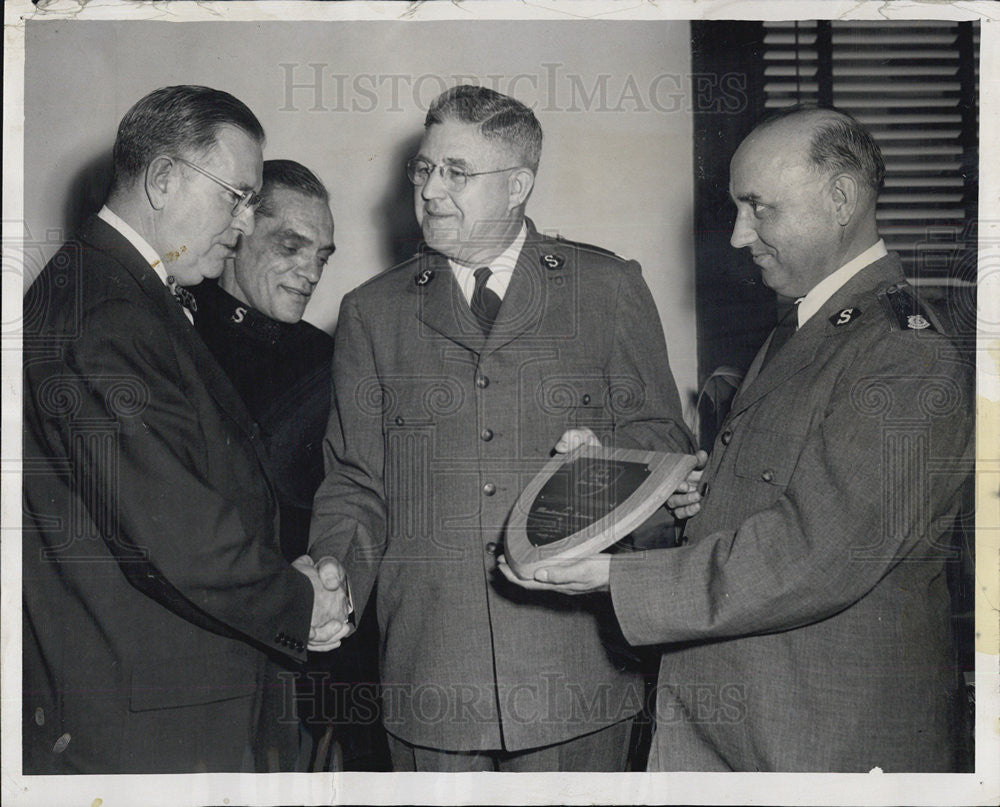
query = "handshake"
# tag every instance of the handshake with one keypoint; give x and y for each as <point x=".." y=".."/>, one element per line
<point x="331" y="602"/>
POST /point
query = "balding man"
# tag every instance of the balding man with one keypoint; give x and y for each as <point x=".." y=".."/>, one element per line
<point x="807" y="616"/>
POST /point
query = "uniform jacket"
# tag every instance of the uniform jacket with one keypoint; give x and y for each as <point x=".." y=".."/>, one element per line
<point x="152" y="577"/>
<point x="808" y="617"/>
<point x="435" y="431"/>
<point x="281" y="371"/>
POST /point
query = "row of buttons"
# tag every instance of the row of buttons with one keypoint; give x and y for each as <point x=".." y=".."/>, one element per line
<point x="486" y="435"/>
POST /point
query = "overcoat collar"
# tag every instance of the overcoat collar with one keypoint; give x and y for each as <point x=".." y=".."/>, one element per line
<point x="444" y="308"/>
<point x="105" y="238"/>
<point x="858" y="293"/>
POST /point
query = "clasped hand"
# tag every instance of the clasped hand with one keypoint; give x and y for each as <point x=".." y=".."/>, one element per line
<point x="593" y="573"/>
<point x="331" y="604"/>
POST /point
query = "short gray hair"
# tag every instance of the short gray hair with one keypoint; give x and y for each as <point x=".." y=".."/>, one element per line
<point x="498" y="116"/>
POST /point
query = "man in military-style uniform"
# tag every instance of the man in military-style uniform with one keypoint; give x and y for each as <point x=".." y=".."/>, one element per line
<point x="455" y="375"/>
<point x="251" y="320"/>
<point x="807" y="617"/>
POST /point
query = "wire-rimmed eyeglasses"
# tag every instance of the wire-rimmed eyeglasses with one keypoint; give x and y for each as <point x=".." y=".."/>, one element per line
<point x="242" y="199"/>
<point x="454" y="178"/>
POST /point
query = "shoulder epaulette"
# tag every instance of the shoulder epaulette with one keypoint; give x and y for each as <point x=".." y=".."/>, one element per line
<point x="906" y="312"/>
<point x="588" y="247"/>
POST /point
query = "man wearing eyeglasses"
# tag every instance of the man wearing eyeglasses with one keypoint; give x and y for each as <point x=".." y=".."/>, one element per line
<point x="455" y="374"/>
<point x="153" y="583"/>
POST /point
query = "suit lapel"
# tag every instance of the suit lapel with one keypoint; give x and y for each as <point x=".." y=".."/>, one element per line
<point x="102" y="236"/>
<point x="801" y="349"/>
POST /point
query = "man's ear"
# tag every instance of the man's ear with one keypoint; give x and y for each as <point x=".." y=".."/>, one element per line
<point x="844" y="195"/>
<point x="519" y="187"/>
<point x="159" y="180"/>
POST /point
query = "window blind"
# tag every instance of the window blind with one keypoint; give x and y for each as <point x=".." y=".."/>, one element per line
<point x="915" y="86"/>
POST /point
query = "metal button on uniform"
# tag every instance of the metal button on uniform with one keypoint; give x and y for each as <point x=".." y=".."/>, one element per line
<point x="40" y="716"/>
<point x="586" y="400"/>
<point x="482" y="382"/>
<point x="399" y="421"/>
<point x="489" y="489"/>
<point x="60" y="745"/>
<point x="486" y="434"/>
<point x="491" y="548"/>
<point x="727" y="436"/>
<point x="767" y="476"/>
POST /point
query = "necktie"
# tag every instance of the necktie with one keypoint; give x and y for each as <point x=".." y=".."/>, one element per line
<point x="782" y="333"/>
<point x="185" y="298"/>
<point x="485" y="302"/>
<point x="182" y="295"/>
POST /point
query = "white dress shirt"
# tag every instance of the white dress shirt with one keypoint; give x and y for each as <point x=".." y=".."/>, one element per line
<point x="831" y="284"/>
<point x="502" y="267"/>
<point x="142" y="246"/>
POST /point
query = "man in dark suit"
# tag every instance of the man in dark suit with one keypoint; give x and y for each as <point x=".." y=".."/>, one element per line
<point x="455" y="373"/>
<point x="153" y="584"/>
<point x="251" y="320"/>
<point x="807" y="614"/>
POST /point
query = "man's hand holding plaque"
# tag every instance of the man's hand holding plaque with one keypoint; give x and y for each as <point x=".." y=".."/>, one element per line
<point x="586" y="499"/>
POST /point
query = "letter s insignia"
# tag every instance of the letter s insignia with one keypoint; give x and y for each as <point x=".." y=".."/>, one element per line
<point x="845" y="316"/>
<point x="239" y="314"/>
<point x="553" y="261"/>
<point x="424" y="277"/>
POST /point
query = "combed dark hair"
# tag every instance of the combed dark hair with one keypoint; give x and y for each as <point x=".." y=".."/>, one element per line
<point x="176" y="120"/>
<point x="293" y="176"/>
<point x="840" y="144"/>
<point x="499" y="117"/>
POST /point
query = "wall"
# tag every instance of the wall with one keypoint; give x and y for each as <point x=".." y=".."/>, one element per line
<point x="347" y="100"/>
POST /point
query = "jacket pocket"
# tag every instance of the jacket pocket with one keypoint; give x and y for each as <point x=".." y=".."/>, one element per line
<point x="768" y="456"/>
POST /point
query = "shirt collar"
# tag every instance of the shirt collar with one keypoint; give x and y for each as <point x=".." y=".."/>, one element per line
<point x="828" y="286"/>
<point x="141" y="245"/>
<point x="502" y="268"/>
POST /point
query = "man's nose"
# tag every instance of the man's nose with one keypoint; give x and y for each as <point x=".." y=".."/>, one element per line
<point x="433" y="188"/>
<point x="311" y="269"/>
<point x="743" y="233"/>
<point x="244" y="222"/>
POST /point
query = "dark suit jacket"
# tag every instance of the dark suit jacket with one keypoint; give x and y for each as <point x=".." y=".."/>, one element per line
<point x="436" y="430"/>
<point x="152" y="577"/>
<point x="809" y="614"/>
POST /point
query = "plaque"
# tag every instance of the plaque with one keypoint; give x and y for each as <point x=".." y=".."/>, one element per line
<point x="585" y="501"/>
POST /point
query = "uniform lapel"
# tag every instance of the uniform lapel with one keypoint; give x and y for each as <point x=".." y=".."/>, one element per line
<point x="108" y="240"/>
<point x="525" y="302"/>
<point x="442" y="306"/>
<point x="801" y="349"/>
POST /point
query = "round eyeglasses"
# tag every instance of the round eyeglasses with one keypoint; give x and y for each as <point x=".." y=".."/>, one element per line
<point x="243" y="199"/>
<point x="455" y="179"/>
